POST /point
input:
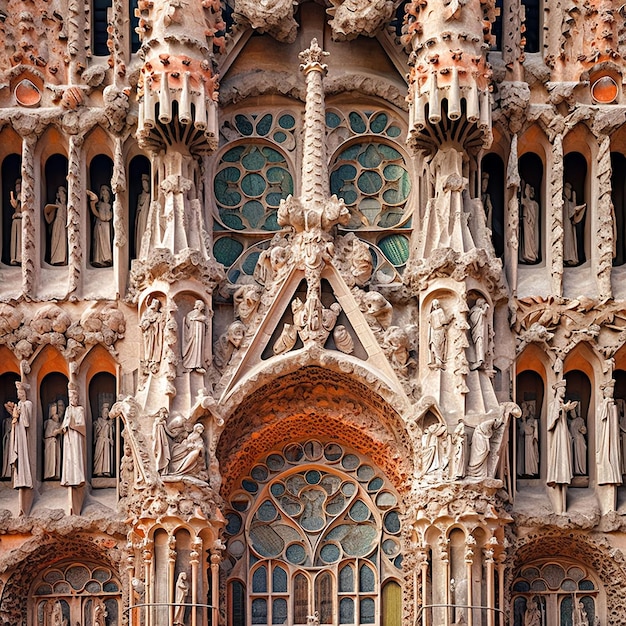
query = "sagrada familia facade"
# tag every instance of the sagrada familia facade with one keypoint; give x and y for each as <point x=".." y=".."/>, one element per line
<point x="313" y="312"/>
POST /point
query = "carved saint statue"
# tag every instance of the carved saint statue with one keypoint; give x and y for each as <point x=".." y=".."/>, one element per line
<point x="188" y="455"/>
<point x="559" y="470"/>
<point x="433" y="453"/>
<point x="151" y="323"/>
<point x="530" y="431"/>
<point x="459" y="450"/>
<point x="572" y="214"/>
<point x="52" y="443"/>
<point x="437" y="331"/>
<point x="228" y="343"/>
<point x="102" y="209"/>
<point x="56" y="215"/>
<point x="486" y="198"/>
<point x="15" y="248"/>
<point x="74" y="431"/>
<point x="530" y="226"/>
<point x="578" y="430"/>
<point x="19" y="458"/>
<point x="481" y="447"/>
<point x="161" y="442"/>
<point x="6" y="444"/>
<point x="194" y="331"/>
<point x="532" y="616"/>
<point x="103" y="446"/>
<point x="141" y="214"/>
<point x="182" y="591"/>
<point x="608" y="445"/>
<point x="480" y="328"/>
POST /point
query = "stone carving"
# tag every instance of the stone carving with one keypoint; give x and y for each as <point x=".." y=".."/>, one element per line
<point x="151" y="324"/>
<point x="435" y="448"/>
<point x="74" y="433"/>
<point x="559" y="470"/>
<point x="481" y="328"/>
<point x="532" y="615"/>
<point x="486" y="199"/>
<point x="352" y="18"/>
<point x="377" y="311"/>
<point x="246" y="301"/>
<point x="572" y="214"/>
<point x="15" y="246"/>
<point x="437" y="335"/>
<point x="272" y="264"/>
<point x="182" y="591"/>
<point x="608" y="445"/>
<point x="530" y="226"/>
<point x="19" y="456"/>
<point x="459" y="450"/>
<point x="578" y="430"/>
<point x="102" y="209"/>
<point x="160" y="441"/>
<point x="353" y="259"/>
<point x="188" y="455"/>
<point x="227" y="344"/>
<point x="274" y="17"/>
<point x="104" y="443"/>
<point x="481" y="447"/>
<point x="52" y="442"/>
<point x="529" y="428"/>
<point x="142" y="211"/>
<point x="6" y="443"/>
<point x="56" y="215"/>
<point x="194" y="331"/>
<point x="397" y="346"/>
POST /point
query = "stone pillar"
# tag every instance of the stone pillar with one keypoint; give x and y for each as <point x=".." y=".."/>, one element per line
<point x="30" y="248"/>
<point x="556" y="215"/>
<point x="75" y="206"/>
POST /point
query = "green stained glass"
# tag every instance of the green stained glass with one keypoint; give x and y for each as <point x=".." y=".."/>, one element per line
<point x="243" y="125"/>
<point x="225" y="191"/>
<point x="286" y="121"/>
<point x="332" y="120"/>
<point x="393" y="131"/>
<point x="264" y="125"/>
<point x="253" y="185"/>
<point x="227" y="250"/>
<point x="254" y="160"/>
<point x="271" y="223"/>
<point x="279" y="136"/>
<point x="234" y="154"/>
<point x="357" y="123"/>
<point x="395" y="248"/>
<point x="273" y="156"/>
<point x="250" y="263"/>
<point x="232" y="221"/>
<point x="371" y="157"/>
<point x="370" y="182"/>
<point x="389" y="153"/>
<point x="378" y="123"/>
<point x="253" y="211"/>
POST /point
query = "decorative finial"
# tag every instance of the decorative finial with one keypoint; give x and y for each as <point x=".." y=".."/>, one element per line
<point x="312" y="58"/>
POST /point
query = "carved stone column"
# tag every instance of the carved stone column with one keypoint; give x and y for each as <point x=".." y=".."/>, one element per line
<point x="75" y="202"/>
<point x="556" y="215"/>
<point x="607" y="226"/>
<point x="30" y="249"/>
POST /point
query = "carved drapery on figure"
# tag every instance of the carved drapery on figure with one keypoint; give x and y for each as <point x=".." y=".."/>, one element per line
<point x="74" y="433"/>
<point x="529" y="251"/>
<point x="102" y="209"/>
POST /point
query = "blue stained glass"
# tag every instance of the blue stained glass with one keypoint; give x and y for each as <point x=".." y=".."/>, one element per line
<point x="279" y="136"/>
<point x="371" y="156"/>
<point x="253" y="185"/>
<point x="254" y="160"/>
<point x="332" y="120"/>
<point x="277" y="489"/>
<point x="330" y="553"/>
<point x="295" y="553"/>
<point x="367" y="609"/>
<point x="259" y="611"/>
<point x="226" y="250"/>
<point x="356" y="122"/>
<point x="346" y="579"/>
<point x="279" y="611"/>
<point x="273" y="199"/>
<point x="233" y="523"/>
<point x="370" y="182"/>
<point x="367" y="580"/>
<point x="375" y="484"/>
<point x="288" y="121"/>
<point x="398" y="561"/>
<point x="234" y="154"/>
<point x="393" y="131"/>
<point x="271" y="223"/>
<point x="267" y="512"/>
<point x="378" y="123"/>
<point x="566" y="612"/>
<point x="110" y="587"/>
<point x="275" y="462"/>
<point x="586" y="585"/>
<point x="249" y="485"/>
<point x="250" y="263"/>
<point x="259" y="580"/>
<point x="262" y="128"/>
<point x="279" y="580"/>
<point x="260" y="473"/>
<point x="346" y="611"/>
<point x="240" y="505"/>
<point x="313" y="477"/>
<point x="243" y="125"/>
<point x="521" y="585"/>
<point x="253" y="211"/>
<point x="389" y="153"/>
<point x="273" y="156"/>
<point x="333" y="452"/>
<point x="350" y="153"/>
<point x="359" y="511"/>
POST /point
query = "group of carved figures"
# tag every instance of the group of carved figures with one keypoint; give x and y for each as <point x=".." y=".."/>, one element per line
<point x="455" y="455"/>
<point x="56" y="218"/>
<point x="64" y="436"/>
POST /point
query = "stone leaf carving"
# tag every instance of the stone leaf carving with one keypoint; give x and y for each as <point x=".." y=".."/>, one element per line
<point x="351" y="18"/>
<point x="274" y="17"/>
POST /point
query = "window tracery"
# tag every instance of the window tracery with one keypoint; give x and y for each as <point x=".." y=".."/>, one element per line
<point x="314" y="527"/>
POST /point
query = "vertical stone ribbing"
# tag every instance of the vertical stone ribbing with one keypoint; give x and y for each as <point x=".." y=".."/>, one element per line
<point x="556" y="218"/>
<point x="118" y="185"/>
<point x="606" y="218"/>
<point x="512" y="214"/>
<point x="74" y="195"/>
<point x="29" y="248"/>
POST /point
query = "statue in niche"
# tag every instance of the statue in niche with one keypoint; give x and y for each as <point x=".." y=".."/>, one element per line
<point x="52" y="443"/>
<point x="182" y="591"/>
<point x="572" y="214"/>
<point x="15" y="248"/>
<point x="481" y="447"/>
<point x="578" y="430"/>
<point x="103" y="446"/>
<point x="56" y="615"/>
<point x="437" y="336"/>
<point x="434" y="444"/>
<point x="580" y="615"/>
<point x="486" y="198"/>
<point x="188" y="455"/>
<point x="74" y="432"/>
<point x="56" y="216"/>
<point x="608" y="447"/>
<point x="194" y="331"/>
<point x="481" y="331"/>
<point x="377" y="310"/>
<point x="151" y="324"/>
<point x="529" y="427"/>
<point x="532" y="615"/>
<point x="530" y="226"/>
<point x="459" y="450"/>
<point x="21" y="419"/>
<point x="559" y="447"/>
<point x="397" y="346"/>
<point x="228" y="343"/>
<point x="142" y="212"/>
<point x="6" y="444"/>
<point x="246" y="300"/>
<point x="161" y="443"/>
<point x="102" y="209"/>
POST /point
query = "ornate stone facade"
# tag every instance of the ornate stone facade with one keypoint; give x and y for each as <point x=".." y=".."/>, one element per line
<point x="343" y="345"/>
